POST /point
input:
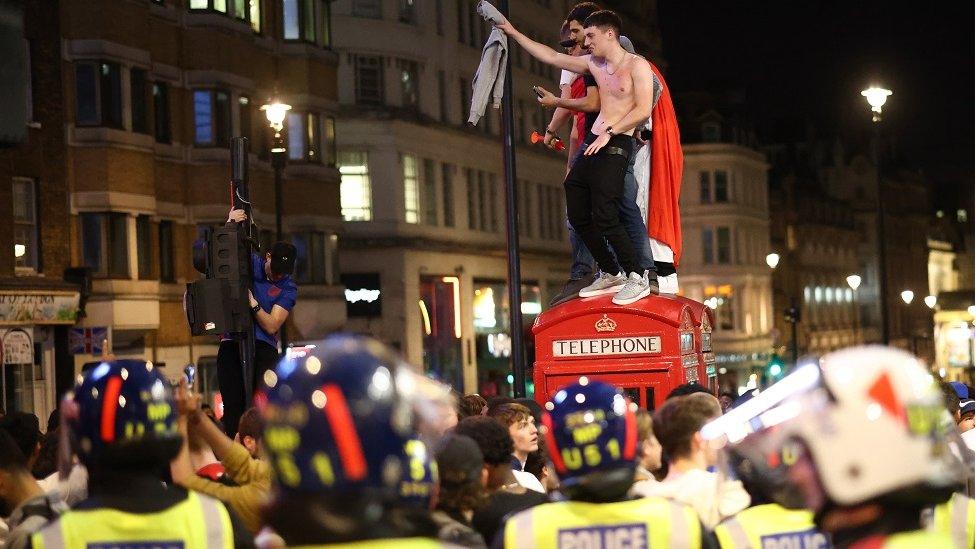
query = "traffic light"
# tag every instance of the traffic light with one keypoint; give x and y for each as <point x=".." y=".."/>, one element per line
<point x="775" y="369"/>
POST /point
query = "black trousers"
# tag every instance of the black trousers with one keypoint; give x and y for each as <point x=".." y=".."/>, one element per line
<point x="594" y="186"/>
<point x="230" y="377"/>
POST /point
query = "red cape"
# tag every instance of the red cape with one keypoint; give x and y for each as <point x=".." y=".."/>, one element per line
<point x="667" y="165"/>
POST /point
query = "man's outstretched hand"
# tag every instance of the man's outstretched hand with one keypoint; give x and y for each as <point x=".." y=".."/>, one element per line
<point x="595" y="146"/>
<point x="546" y="98"/>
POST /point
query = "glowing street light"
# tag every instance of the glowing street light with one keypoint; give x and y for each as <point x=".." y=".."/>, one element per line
<point x="854" y="281"/>
<point x="275" y="112"/>
<point x="907" y="296"/>
<point x="876" y="98"/>
<point x="930" y="301"/>
<point x="772" y="260"/>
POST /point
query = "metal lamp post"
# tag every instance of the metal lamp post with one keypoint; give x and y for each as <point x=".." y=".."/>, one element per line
<point x="275" y="112"/>
<point x="876" y="98"/>
<point x="792" y="313"/>
<point x="854" y="281"/>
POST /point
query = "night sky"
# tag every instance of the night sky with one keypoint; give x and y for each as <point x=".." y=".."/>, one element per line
<point x="807" y="60"/>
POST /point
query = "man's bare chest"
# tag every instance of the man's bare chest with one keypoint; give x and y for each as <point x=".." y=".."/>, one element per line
<point x="616" y="86"/>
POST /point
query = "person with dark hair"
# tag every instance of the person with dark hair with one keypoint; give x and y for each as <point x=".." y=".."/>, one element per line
<point x="648" y="450"/>
<point x="23" y="504"/>
<point x="525" y="436"/>
<point x="506" y="495"/>
<point x="496" y="401"/>
<point x="593" y="441"/>
<point x="471" y="405"/>
<point x="121" y="419"/>
<point x="24" y="428"/>
<point x="686" y="389"/>
<point x="689" y="481"/>
<point x="240" y="457"/>
<point x="272" y="296"/>
<point x="460" y="467"/>
<point x="595" y="183"/>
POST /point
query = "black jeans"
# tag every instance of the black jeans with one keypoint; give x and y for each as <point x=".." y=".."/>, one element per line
<point x="230" y="377"/>
<point x="593" y="190"/>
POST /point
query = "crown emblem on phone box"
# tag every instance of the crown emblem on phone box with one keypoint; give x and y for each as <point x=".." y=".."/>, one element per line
<point x="605" y="324"/>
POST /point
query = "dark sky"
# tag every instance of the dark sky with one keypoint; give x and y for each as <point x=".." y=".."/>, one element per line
<point x="809" y="59"/>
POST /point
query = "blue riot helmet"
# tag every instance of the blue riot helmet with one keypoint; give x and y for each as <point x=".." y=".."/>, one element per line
<point x="418" y="476"/>
<point x="592" y="438"/>
<point x="121" y="414"/>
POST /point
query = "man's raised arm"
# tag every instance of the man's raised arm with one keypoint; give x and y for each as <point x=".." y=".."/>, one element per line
<point x="579" y="65"/>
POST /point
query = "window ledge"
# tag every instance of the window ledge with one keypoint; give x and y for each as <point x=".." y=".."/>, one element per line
<point x="35" y="125"/>
<point x="310" y="50"/>
<point x="93" y="136"/>
<point x="25" y="271"/>
<point x="167" y="12"/>
<point x="168" y="150"/>
<point x="209" y="154"/>
<point x="195" y="19"/>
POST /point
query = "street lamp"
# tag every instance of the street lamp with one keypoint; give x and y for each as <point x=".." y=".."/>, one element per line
<point x="930" y="301"/>
<point x="876" y="97"/>
<point x="772" y="260"/>
<point x="276" y="112"/>
<point x="854" y="281"/>
<point x="907" y="296"/>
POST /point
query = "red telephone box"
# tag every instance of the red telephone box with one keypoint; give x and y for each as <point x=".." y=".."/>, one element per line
<point x="647" y="348"/>
<point x="703" y="318"/>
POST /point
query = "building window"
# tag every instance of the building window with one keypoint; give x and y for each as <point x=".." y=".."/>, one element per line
<point x="310" y="257"/>
<point x="211" y="118"/>
<point x="409" y="84"/>
<point x="411" y="189"/>
<point x="166" y="271"/>
<point x="493" y="201"/>
<point x="209" y="5"/>
<point x="303" y="137"/>
<point x="724" y="245"/>
<point x="543" y="204"/>
<point x="408" y="12"/>
<point x="711" y="132"/>
<point x="138" y="96"/>
<point x="447" y="193"/>
<point x="369" y="80"/>
<point x="298" y="20"/>
<point x="326" y="32"/>
<point x="372" y="9"/>
<point x="99" y="94"/>
<point x="26" y="240"/>
<point x="161" y="121"/>
<point x="482" y="200"/>
<point x="144" y="247"/>
<point x="473" y="202"/>
<point x="708" y="249"/>
<point x="105" y="244"/>
<point x="460" y="23"/>
<point x="255" y="15"/>
<point x="705" y="187"/>
<point x="355" y="189"/>
<point x="442" y="95"/>
<point x="463" y="86"/>
<point x="961" y="216"/>
<point x="329" y="153"/>
<point x="439" y="18"/>
<point x="430" y="192"/>
<point x="525" y="217"/>
<point x="721" y="186"/>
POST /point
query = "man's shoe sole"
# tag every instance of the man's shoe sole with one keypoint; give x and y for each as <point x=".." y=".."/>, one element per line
<point x="605" y="291"/>
<point x="642" y="295"/>
<point x="565" y="299"/>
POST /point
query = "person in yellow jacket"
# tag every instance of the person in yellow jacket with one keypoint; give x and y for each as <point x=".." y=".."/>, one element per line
<point x="591" y="432"/>
<point x="340" y="434"/>
<point x="858" y="438"/>
<point x="956" y="517"/>
<point x="121" y="422"/>
<point x="769" y="525"/>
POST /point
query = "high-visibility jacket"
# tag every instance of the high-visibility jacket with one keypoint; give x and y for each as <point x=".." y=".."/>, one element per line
<point x="650" y="522"/>
<point x="906" y="540"/>
<point x="395" y="543"/>
<point x="770" y="525"/>
<point x="955" y="518"/>
<point x="197" y="521"/>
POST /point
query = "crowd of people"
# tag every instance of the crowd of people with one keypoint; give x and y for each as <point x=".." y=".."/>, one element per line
<point x="349" y="445"/>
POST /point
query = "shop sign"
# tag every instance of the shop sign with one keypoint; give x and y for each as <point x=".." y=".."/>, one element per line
<point x="30" y="307"/>
<point x="17" y="346"/>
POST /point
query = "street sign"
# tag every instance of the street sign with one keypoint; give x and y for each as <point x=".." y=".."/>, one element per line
<point x="17" y="346"/>
<point x="87" y="341"/>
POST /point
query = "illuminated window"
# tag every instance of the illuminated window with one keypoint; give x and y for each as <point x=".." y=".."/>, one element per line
<point x="24" y="202"/>
<point x="411" y="189"/>
<point x="355" y="192"/>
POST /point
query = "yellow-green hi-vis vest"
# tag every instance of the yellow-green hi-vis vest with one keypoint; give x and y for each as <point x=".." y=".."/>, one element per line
<point x="196" y="522"/>
<point x="919" y="539"/>
<point x="770" y="526"/>
<point x="654" y="523"/>
<point x="956" y="518"/>
<point x="397" y="543"/>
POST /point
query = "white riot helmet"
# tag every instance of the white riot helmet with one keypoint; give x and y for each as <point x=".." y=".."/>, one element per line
<point x="861" y="424"/>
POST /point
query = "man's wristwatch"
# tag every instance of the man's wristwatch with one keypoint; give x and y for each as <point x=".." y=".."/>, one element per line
<point x="610" y="131"/>
<point x="548" y="131"/>
<point x="256" y="308"/>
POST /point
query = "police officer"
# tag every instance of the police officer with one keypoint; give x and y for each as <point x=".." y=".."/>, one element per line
<point x="859" y="437"/>
<point x="592" y="439"/>
<point x="340" y="433"/>
<point x="955" y="517"/>
<point x="122" y="425"/>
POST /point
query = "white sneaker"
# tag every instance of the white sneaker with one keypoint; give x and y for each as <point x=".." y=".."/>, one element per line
<point x="668" y="284"/>
<point x="604" y="284"/>
<point x="635" y="289"/>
